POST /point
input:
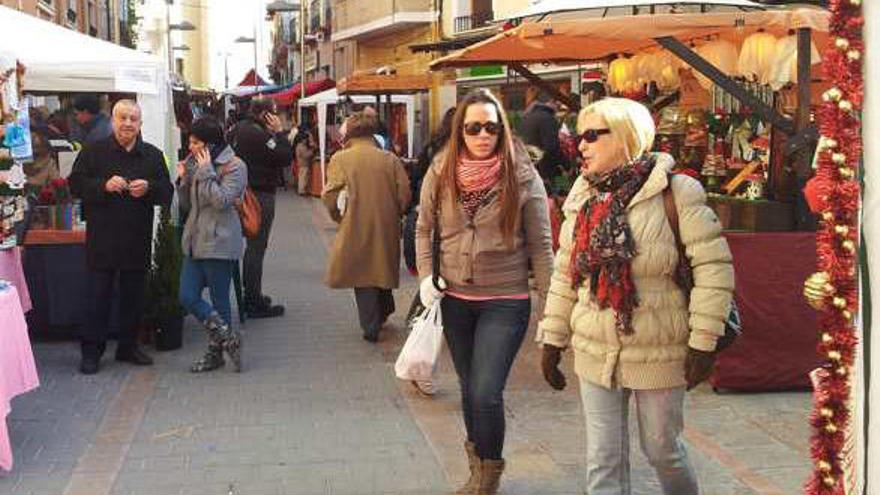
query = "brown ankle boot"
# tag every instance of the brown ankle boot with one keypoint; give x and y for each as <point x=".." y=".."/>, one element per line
<point x="490" y="476"/>
<point x="473" y="483"/>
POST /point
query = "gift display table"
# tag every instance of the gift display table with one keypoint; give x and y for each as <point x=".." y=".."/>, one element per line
<point x="55" y="266"/>
<point x="18" y="373"/>
<point x="778" y="347"/>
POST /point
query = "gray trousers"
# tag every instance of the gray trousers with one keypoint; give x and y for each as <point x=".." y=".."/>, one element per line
<point x="256" y="250"/>
<point x="660" y="415"/>
<point x="304" y="175"/>
<point x="374" y="305"/>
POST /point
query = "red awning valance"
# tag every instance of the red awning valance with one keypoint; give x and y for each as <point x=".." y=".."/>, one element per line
<point x="289" y="96"/>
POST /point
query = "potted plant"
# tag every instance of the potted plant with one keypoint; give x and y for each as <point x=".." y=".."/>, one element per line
<point x="163" y="311"/>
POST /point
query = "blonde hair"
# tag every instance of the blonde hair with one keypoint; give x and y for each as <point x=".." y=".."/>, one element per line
<point x="630" y="123"/>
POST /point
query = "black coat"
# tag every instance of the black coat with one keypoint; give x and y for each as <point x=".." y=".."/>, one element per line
<point x="265" y="154"/>
<point x="540" y="128"/>
<point x="119" y="228"/>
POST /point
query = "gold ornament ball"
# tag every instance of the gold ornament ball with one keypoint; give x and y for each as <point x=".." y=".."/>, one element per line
<point x="841" y="230"/>
<point x="827" y="338"/>
<point x="827" y="216"/>
<point x="830" y="143"/>
<point x="831" y="428"/>
<point x="826" y="412"/>
<point x="854" y="55"/>
<point x="842" y="371"/>
<point x="855" y="2"/>
<point x="847" y="314"/>
<point x="838" y="158"/>
<point x="841" y="43"/>
<point x="824" y="466"/>
<point x="839" y="302"/>
<point x="845" y="105"/>
<point x="846" y="172"/>
<point x="834" y="94"/>
<point x="828" y="480"/>
<point x="834" y="356"/>
<point x="849" y="246"/>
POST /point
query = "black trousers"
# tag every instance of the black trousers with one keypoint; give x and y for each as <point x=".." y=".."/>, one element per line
<point x="374" y="305"/>
<point x="103" y="285"/>
<point x="255" y="252"/>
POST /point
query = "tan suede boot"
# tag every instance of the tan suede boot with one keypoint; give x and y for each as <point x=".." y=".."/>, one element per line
<point x="490" y="476"/>
<point x="473" y="483"/>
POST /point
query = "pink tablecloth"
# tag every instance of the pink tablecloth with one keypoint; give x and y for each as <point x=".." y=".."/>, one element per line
<point x="18" y="373"/>
<point x="11" y="270"/>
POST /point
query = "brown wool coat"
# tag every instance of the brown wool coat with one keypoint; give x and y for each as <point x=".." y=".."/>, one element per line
<point x="366" y="251"/>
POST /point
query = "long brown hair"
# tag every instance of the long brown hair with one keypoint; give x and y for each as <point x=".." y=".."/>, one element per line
<point x="509" y="195"/>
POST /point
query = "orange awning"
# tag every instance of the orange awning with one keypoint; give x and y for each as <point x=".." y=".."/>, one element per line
<point x="375" y="84"/>
<point x="597" y="38"/>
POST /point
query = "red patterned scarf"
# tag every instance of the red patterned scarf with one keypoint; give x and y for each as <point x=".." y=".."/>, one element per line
<point x="603" y="243"/>
<point x="476" y="178"/>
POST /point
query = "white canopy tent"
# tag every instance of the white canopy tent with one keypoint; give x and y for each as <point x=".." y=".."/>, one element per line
<point x="62" y="60"/>
<point x="571" y="9"/>
<point x="331" y="97"/>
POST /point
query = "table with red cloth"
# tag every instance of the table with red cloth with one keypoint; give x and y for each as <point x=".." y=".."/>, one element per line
<point x="18" y="373"/>
<point x="777" y="349"/>
<point x="11" y="270"/>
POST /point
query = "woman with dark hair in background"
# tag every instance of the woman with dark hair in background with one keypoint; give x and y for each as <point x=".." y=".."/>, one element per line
<point x="210" y="182"/>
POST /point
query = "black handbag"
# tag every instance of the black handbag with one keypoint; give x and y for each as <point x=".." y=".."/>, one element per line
<point x="684" y="275"/>
<point x="416" y="307"/>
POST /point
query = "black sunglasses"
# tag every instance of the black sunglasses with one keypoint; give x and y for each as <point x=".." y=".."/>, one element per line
<point x="474" y="128"/>
<point x="592" y="135"/>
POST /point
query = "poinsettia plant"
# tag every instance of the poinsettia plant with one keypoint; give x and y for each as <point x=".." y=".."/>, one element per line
<point x="55" y="192"/>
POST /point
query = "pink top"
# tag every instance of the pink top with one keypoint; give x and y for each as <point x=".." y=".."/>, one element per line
<point x="516" y="297"/>
<point x="18" y="373"/>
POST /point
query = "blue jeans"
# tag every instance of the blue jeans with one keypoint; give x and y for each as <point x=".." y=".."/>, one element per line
<point x="661" y="421"/>
<point x="214" y="274"/>
<point x="484" y="337"/>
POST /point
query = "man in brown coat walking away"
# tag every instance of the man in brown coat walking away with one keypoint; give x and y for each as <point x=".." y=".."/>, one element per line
<point x="367" y="193"/>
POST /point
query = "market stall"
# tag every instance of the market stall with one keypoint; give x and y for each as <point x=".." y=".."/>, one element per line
<point x="66" y="62"/>
<point x="732" y="94"/>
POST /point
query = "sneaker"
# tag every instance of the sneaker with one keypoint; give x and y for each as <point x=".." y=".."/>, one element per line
<point x="425" y="387"/>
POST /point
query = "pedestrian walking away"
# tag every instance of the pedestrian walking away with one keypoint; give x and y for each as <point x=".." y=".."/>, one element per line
<point x="262" y="144"/>
<point x="366" y="251"/>
<point x="119" y="179"/>
<point x="491" y="214"/>
<point x="614" y="298"/>
<point x="210" y="182"/>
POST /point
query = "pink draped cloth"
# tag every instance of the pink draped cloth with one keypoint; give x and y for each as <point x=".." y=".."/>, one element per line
<point x="11" y="271"/>
<point x="18" y="373"/>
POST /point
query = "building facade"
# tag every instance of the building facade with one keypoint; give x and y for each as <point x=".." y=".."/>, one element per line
<point x="104" y="19"/>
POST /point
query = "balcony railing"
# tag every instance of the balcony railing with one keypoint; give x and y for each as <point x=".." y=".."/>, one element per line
<point x="473" y="21"/>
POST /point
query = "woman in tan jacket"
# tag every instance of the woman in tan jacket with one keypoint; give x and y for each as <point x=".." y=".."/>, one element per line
<point x="491" y="211"/>
<point x="613" y="297"/>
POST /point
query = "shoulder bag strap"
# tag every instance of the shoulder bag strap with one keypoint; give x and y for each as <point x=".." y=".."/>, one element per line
<point x="435" y="243"/>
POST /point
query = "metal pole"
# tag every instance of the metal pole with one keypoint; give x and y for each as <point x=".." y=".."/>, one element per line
<point x="168" y="35"/>
<point x="226" y="70"/>
<point x="302" y="48"/>
<point x="256" y="73"/>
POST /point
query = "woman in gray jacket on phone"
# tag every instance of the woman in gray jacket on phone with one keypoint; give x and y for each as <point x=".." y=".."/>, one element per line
<point x="210" y="183"/>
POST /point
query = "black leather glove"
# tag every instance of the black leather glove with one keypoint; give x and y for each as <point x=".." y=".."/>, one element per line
<point x="550" y="366"/>
<point x="698" y="366"/>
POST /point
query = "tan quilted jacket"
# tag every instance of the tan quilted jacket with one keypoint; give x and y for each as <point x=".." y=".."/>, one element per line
<point x="653" y="356"/>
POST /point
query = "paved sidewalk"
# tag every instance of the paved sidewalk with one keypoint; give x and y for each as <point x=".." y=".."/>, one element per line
<point x="318" y="411"/>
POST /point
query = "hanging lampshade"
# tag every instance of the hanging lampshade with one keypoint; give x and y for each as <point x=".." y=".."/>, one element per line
<point x="756" y="57"/>
<point x="783" y="70"/>
<point x="720" y="53"/>
<point x="651" y="67"/>
<point x="619" y="72"/>
<point x="667" y="77"/>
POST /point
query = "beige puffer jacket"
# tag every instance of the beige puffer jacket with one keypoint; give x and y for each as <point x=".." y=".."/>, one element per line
<point x="653" y="356"/>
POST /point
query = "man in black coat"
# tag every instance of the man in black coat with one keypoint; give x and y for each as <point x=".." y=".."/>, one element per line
<point x="260" y="141"/>
<point x="119" y="179"/>
<point x="540" y="128"/>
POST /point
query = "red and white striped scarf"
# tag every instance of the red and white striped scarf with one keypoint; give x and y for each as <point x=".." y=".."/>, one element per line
<point x="477" y="175"/>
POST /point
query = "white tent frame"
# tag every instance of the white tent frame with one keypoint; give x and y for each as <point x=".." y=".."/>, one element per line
<point x="331" y="97"/>
<point x="60" y="60"/>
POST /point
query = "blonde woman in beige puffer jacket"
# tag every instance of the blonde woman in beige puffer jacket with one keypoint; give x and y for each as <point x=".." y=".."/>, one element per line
<point x="616" y="303"/>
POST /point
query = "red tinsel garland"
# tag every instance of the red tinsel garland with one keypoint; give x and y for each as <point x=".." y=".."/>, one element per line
<point x="839" y="156"/>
